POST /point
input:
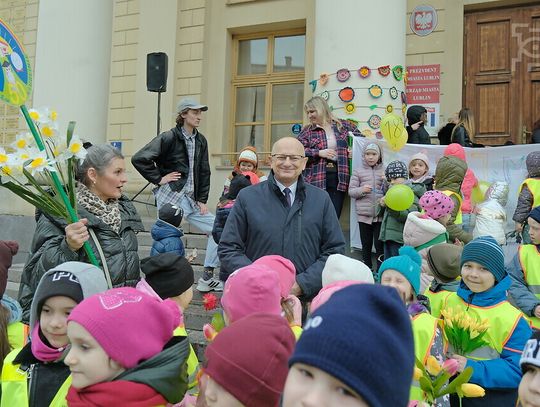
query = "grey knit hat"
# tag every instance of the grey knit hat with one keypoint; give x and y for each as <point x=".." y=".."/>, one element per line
<point x="444" y="261"/>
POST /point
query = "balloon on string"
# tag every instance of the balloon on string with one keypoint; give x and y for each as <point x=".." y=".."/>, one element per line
<point x="399" y="197"/>
<point x="478" y="193"/>
<point x="393" y="131"/>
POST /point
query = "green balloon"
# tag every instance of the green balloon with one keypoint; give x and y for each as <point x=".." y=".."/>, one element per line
<point x="399" y="197"/>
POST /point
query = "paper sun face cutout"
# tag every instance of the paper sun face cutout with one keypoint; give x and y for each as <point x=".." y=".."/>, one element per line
<point x="374" y="121"/>
<point x="350" y="108"/>
<point x="346" y="94"/>
<point x="364" y="72"/>
<point x="393" y="92"/>
<point x="384" y="70"/>
<point x="375" y="91"/>
<point x="325" y="95"/>
<point x="343" y="75"/>
<point x="397" y="71"/>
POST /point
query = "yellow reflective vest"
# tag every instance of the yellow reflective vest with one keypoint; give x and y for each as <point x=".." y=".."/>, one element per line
<point x="436" y="300"/>
<point x="297" y="331"/>
<point x="534" y="186"/>
<point x="459" y="215"/>
<point x="502" y="318"/>
<point x="424" y="327"/>
<point x="15" y="385"/>
<point x="529" y="258"/>
<point x="192" y="363"/>
<point x="18" y="334"/>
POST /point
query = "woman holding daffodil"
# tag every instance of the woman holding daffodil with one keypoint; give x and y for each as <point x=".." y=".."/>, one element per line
<point x="107" y="220"/>
<point x="480" y="309"/>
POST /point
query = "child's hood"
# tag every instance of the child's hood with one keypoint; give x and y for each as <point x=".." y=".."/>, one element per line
<point x="379" y="162"/>
<point x="419" y="230"/>
<point x="498" y="191"/>
<point x="533" y="164"/>
<point x="91" y="279"/>
<point x="455" y="150"/>
<point x="450" y="173"/>
<point x="14" y="308"/>
<point x="493" y="296"/>
<point x="165" y="372"/>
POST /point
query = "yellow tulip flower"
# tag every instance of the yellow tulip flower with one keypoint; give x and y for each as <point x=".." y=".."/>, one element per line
<point x="472" y="390"/>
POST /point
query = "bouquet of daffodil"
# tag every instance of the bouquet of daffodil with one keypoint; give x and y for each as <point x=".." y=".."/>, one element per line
<point x="28" y="170"/>
<point x="464" y="332"/>
<point x="434" y="377"/>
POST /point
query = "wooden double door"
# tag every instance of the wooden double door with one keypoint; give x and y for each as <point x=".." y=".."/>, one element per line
<point x="501" y="78"/>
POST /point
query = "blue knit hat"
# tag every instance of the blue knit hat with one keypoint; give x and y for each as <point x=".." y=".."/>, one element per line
<point x="407" y="263"/>
<point x="535" y="214"/>
<point x="362" y="336"/>
<point x="484" y="250"/>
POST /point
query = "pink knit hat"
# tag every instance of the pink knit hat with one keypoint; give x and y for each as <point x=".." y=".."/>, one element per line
<point x="327" y="291"/>
<point x="436" y="204"/>
<point x="130" y="326"/>
<point x="284" y="268"/>
<point x="420" y="156"/>
<point x="250" y="289"/>
<point x="455" y="150"/>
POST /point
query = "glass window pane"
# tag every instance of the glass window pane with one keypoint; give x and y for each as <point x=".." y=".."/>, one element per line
<point x="288" y="102"/>
<point x="252" y="56"/>
<point x="282" y="130"/>
<point x="289" y="53"/>
<point x="249" y="136"/>
<point x="250" y="104"/>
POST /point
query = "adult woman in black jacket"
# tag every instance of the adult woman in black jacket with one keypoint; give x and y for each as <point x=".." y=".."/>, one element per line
<point x="463" y="133"/>
<point x="101" y="208"/>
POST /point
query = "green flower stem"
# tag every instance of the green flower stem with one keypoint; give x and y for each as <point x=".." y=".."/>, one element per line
<point x="58" y="186"/>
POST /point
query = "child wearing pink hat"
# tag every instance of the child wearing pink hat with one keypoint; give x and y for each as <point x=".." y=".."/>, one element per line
<point x="424" y="230"/>
<point x="123" y="350"/>
<point x="419" y="170"/>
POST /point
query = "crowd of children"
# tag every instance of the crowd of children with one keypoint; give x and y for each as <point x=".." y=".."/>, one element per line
<point x="355" y="344"/>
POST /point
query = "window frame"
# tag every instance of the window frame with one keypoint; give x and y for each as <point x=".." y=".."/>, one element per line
<point x="266" y="80"/>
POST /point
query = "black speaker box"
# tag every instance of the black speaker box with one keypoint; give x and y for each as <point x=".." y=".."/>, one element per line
<point x="156" y="72"/>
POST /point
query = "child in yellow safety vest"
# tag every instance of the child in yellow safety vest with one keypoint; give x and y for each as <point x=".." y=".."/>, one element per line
<point x="444" y="263"/>
<point x="170" y="276"/>
<point x="525" y="273"/>
<point x="35" y="375"/>
<point x="529" y="194"/>
<point x="482" y="296"/>
<point x="403" y="273"/>
<point x="529" y="388"/>
<point x="123" y="351"/>
<point x="13" y="333"/>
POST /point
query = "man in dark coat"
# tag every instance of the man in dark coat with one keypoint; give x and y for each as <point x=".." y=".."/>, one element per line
<point x="416" y="119"/>
<point x="284" y="216"/>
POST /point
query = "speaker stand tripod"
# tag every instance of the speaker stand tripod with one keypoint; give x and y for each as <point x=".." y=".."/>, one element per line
<point x="157" y="134"/>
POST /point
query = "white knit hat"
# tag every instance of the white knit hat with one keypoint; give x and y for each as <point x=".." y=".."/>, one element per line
<point x="248" y="154"/>
<point x="339" y="268"/>
<point x="420" y="156"/>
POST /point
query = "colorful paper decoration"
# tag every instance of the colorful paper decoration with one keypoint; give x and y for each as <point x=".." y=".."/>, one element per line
<point x="389" y="109"/>
<point x="367" y="133"/>
<point x="375" y="91"/>
<point x="323" y="78"/>
<point x="313" y="84"/>
<point x="384" y="70"/>
<point x="16" y="77"/>
<point x="343" y="75"/>
<point x="374" y="121"/>
<point x="346" y="94"/>
<point x="404" y="109"/>
<point x="325" y="95"/>
<point x="350" y="108"/>
<point x="364" y="72"/>
<point x="403" y="98"/>
<point x="393" y="92"/>
<point x="397" y="71"/>
<point x="373" y="107"/>
<point x="393" y="131"/>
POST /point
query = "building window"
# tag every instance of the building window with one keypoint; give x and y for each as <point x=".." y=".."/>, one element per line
<point x="267" y="88"/>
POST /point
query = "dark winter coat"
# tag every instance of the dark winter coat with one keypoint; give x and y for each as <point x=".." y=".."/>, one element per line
<point x="262" y="223"/>
<point x="420" y="135"/>
<point x="49" y="249"/>
<point x="222" y="214"/>
<point x="445" y="134"/>
<point x="167" y="153"/>
<point x="449" y="176"/>
<point x="525" y="197"/>
<point x="167" y="239"/>
<point x="461" y="137"/>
